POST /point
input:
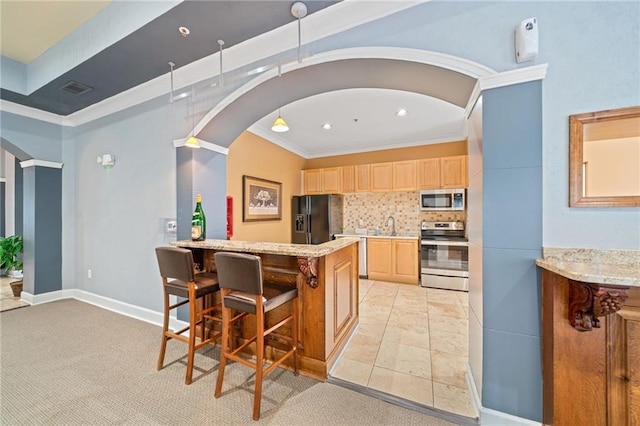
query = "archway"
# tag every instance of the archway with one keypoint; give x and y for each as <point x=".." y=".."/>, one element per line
<point x="450" y="79"/>
<point x="433" y="74"/>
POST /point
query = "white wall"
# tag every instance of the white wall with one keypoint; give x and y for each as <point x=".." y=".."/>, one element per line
<point x="474" y="230"/>
<point x="9" y="194"/>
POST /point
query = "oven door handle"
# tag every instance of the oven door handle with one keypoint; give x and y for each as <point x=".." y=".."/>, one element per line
<point x="444" y="243"/>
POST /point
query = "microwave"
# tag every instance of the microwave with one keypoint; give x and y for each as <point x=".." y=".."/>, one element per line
<point x="437" y="200"/>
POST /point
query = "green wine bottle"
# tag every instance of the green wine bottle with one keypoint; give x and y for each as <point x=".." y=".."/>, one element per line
<point x="198" y="222"/>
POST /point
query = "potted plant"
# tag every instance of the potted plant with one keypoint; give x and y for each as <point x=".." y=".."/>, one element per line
<point x="10" y="262"/>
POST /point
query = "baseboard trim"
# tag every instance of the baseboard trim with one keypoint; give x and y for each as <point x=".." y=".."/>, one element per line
<point x="473" y="390"/>
<point x="123" y="308"/>
<point x="498" y="418"/>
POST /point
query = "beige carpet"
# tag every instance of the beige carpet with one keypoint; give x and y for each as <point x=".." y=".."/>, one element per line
<point x="71" y="363"/>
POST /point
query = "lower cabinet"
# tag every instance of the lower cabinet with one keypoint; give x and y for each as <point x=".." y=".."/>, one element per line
<point x="393" y="259"/>
<point x="591" y="373"/>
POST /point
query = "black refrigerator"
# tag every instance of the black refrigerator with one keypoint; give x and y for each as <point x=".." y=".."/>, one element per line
<point x="316" y="218"/>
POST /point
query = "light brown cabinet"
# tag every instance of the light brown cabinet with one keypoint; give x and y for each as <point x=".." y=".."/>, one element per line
<point x="410" y="175"/>
<point x="322" y="181"/>
<point x="379" y="258"/>
<point x="404" y="259"/>
<point x="348" y="179"/>
<point x="332" y="180"/>
<point x="312" y="181"/>
<point x="443" y="172"/>
<point x="392" y="259"/>
<point x="381" y="177"/>
<point x="363" y="172"/>
<point x="405" y="176"/>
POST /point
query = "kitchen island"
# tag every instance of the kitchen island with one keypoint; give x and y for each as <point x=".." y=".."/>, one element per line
<point x="591" y="336"/>
<point x="326" y="276"/>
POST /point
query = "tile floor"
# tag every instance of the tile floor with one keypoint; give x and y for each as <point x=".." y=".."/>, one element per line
<point x="7" y="301"/>
<point x="412" y="343"/>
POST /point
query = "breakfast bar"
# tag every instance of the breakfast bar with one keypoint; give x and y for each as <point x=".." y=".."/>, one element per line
<point x="326" y="276"/>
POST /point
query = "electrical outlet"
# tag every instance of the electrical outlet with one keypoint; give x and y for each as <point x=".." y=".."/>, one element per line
<point x="168" y="226"/>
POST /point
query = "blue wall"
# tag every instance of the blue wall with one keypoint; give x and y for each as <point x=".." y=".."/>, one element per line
<point x="512" y="241"/>
<point x="42" y="229"/>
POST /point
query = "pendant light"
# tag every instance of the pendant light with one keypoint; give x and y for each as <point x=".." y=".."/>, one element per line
<point x="192" y="141"/>
<point x="280" y="125"/>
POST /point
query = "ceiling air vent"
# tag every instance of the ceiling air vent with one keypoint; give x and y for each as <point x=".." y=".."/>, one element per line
<point x="76" y="88"/>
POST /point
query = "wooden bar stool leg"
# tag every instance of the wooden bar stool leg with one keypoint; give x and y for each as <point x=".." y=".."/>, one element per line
<point x="165" y="328"/>
<point x="226" y="316"/>
<point x="259" y="361"/>
<point x="192" y="334"/>
<point x="294" y="335"/>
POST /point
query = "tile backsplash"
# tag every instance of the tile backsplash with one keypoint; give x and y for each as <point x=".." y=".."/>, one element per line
<point x="373" y="209"/>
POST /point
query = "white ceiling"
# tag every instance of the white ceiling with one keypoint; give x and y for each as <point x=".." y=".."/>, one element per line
<point x="363" y="119"/>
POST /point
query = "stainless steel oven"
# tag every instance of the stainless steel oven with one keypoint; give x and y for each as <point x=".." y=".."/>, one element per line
<point x="444" y="256"/>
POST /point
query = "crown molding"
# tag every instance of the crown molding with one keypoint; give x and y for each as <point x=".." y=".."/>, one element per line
<point x="270" y="136"/>
<point x="511" y="77"/>
<point x="30" y="112"/>
<point x="40" y="163"/>
<point x="502" y="79"/>
<point x="179" y="143"/>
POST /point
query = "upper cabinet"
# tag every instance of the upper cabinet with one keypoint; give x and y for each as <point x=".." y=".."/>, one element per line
<point x="348" y="179"/>
<point x="393" y="176"/>
<point x="363" y="177"/>
<point x="405" y="175"/>
<point x="444" y="172"/>
<point x="312" y="180"/>
<point x="411" y="175"/>
<point x="332" y="180"/>
<point x="322" y="181"/>
<point x="381" y="177"/>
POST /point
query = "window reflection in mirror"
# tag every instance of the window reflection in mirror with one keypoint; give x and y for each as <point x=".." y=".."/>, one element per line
<point x="605" y="158"/>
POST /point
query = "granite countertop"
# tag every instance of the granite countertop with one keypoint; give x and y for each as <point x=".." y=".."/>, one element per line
<point x="401" y="236"/>
<point x="300" y="250"/>
<point x="616" y="267"/>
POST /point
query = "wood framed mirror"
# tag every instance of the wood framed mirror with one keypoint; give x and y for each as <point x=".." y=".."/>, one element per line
<point x="604" y="158"/>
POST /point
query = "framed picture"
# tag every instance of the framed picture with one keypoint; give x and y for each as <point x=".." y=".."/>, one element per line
<point x="261" y="199"/>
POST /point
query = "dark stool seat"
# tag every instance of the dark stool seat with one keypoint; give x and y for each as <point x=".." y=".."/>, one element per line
<point x="243" y="291"/>
<point x="179" y="279"/>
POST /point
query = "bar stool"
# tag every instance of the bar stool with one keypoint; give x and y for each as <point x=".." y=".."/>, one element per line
<point x="177" y="264"/>
<point x="241" y="284"/>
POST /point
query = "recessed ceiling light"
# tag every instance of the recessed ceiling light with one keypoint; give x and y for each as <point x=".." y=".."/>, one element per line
<point x="184" y="31"/>
<point x="327" y="126"/>
<point x="401" y="112"/>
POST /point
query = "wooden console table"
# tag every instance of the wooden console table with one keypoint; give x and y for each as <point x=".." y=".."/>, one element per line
<point x="591" y="340"/>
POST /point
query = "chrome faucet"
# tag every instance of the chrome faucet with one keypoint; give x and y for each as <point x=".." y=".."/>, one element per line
<point x="391" y="222"/>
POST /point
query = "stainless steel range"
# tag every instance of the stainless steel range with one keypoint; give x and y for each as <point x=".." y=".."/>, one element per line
<point x="444" y="256"/>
